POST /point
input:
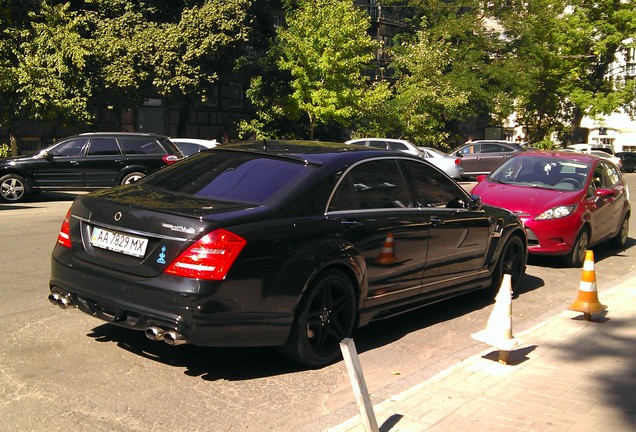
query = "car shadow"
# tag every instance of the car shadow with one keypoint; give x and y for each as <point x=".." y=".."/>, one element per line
<point x="602" y="251"/>
<point x="39" y="198"/>
<point x="237" y="364"/>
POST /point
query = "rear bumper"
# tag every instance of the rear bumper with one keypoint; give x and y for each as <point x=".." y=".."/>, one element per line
<point x="205" y="313"/>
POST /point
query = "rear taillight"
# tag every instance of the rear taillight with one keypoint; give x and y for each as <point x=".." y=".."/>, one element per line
<point x="210" y="257"/>
<point x="64" y="236"/>
<point x="170" y="159"/>
<point x="458" y="161"/>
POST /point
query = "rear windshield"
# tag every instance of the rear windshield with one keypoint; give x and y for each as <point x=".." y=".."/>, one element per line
<point x="232" y="176"/>
<point x="141" y="145"/>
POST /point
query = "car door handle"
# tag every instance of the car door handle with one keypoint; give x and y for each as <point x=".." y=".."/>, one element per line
<point x="351" y="224"/>
<point x="436" y="221"/>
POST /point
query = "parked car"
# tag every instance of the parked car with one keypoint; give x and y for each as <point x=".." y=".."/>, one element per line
<point x="281" y="243"/>
<point x="190" y="146"/>
<point x="451" y="165"/>
<point x="387" y="144"/>
<point x="609" y="156"/>
<point x="482" y="157"/>
<point x="628" y="160"/>
<point x="86" y="162"/>
<point x="568" y="201"/>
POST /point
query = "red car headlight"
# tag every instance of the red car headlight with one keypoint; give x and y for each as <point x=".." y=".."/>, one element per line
<point x="556" y="213"/>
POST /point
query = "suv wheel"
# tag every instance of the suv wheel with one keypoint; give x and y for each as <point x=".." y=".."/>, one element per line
<point x="132" y="177"/>
<point x="13" y="188"/>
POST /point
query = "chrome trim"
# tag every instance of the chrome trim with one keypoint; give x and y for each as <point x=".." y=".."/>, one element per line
<point x="129" y="231"/>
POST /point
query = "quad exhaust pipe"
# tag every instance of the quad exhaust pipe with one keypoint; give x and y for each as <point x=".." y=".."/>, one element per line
<point x="171" y="337"/>
<point x="61" y="300"/>
<point x="153" y="333"/>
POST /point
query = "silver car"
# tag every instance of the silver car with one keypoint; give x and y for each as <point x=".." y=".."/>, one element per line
<point x="450" y="165"/>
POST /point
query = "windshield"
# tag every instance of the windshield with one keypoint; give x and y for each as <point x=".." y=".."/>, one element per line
<point x="232" y="176"/>
<point x="542" y="172"/>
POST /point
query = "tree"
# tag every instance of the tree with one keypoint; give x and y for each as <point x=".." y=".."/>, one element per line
<point x="44" y="64"/>
<point x="561" y="52"/>
<point x="177" y="55"/>
<point x="325" y="49"/>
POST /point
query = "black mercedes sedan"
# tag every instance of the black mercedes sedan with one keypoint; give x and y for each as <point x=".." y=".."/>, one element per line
<point x="279" y="243"/>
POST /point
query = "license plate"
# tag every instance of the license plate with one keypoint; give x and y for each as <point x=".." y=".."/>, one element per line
<point x="118" y="242"/>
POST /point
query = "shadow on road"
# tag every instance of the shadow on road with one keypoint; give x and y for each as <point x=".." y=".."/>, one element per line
<point x="236" y="364"/>
<point x="41" y="197"/>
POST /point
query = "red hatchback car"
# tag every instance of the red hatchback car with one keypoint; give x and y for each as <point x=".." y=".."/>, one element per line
<point x="567" y="201"/>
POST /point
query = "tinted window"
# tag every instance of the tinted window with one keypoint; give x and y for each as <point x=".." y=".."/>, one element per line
<point x="69" y="148"/>
<point x="189" y="148"/>
<point x="372" y="185"/>
<point x="377" y="144"/>
<point x="432" y="189"/>
<point x="494" y="148"/>
<point x="611" y="175"/>
<point x="103" y="146"/>
<point x="142" y="145"/>
<point x="469" y="149"/>
<point x="232" y="176"/>
<point x="397" y="146"/>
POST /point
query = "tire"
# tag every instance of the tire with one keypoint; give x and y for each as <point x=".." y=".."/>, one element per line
<point x="13" y="188"/>
<point x="620" y="239"/>
<point x="576" y="256"/>
<point x="325" y="316"/>
<point x="512" y="261"/>
<point x="132" y="177"/>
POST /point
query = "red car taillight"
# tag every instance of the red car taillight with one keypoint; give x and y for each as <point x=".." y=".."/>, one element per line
<point x="170" y="159"/>
<point x="64" y="236"/>
<point x="458" y="161"/>
<point x="210" y="257"/>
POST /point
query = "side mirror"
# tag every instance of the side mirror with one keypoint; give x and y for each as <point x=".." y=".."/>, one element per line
<point x="475" y="202"/>
<point x="481" y="177"/>
<point x="604" y="193"/>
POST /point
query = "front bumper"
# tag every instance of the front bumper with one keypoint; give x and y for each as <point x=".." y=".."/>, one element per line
<point x="550" y="237"/>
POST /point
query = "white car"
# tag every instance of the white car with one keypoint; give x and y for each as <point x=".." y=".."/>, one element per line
<point x="190" y="146"/>
<point x="617" y="161"/>
<point x="387" y="144"/>
<point x="449" y="164"/>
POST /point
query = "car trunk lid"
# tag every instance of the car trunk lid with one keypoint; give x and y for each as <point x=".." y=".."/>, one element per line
<point x="142" y="231"/>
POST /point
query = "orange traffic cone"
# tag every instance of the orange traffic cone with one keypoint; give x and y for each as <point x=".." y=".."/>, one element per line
<point x="498" y="331"/>
<point x="587" y="300"/>
<point x="387" y="255"/>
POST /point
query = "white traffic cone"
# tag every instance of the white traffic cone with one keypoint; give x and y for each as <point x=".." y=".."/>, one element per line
<point x="498" y="331"/>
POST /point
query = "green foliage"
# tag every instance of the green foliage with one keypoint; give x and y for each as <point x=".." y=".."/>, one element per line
<point x="325" y="49"/>
<point x="5" y="150"/>
<point x="51" y="70"/>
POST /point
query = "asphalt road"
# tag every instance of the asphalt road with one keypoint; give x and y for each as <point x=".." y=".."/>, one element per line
<point x="64" y="370"/>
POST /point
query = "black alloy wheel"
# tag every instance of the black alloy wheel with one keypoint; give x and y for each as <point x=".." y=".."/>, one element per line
<point x="325" y="317"/>
<point x="512" y="261"/>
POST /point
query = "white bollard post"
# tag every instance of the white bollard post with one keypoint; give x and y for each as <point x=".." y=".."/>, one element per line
<point x="352" y="361"/>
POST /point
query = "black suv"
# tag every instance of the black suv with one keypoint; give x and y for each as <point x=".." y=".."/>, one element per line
<point x="86" y="162"/>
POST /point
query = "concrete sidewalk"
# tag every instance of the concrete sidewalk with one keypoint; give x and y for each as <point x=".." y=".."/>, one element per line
<point x="568" y="374"/>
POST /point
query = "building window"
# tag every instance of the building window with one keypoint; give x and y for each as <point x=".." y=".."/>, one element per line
<point x="211" y="97"/>
<point x="236" y="95"/>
